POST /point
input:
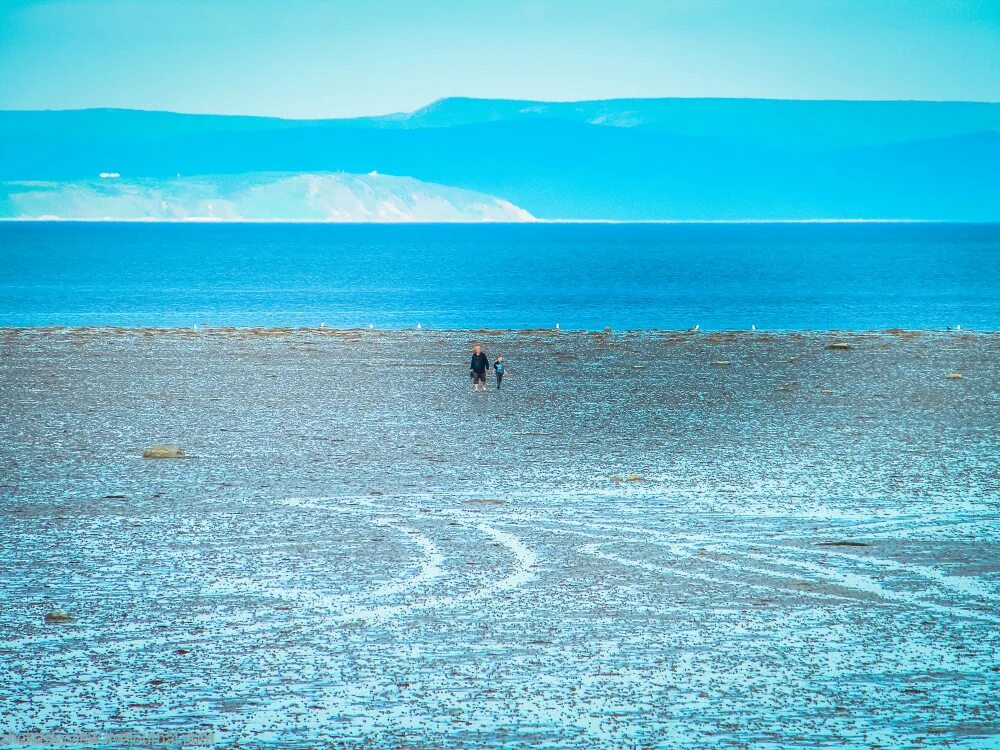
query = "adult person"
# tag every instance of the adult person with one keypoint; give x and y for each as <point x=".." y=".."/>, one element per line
<point x="478" y="367"/>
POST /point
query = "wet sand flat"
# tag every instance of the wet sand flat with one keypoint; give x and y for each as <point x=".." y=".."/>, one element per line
<point x="645" y="539"/>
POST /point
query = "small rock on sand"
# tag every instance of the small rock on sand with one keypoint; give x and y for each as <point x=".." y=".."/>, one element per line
<point x="163" y="451"/>
<point x="57" y="618"/>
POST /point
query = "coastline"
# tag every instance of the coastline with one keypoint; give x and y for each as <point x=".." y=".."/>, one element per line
<point x="705" y="335"/>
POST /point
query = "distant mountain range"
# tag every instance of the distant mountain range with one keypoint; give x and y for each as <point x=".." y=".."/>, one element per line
<point x="614" y="159"/>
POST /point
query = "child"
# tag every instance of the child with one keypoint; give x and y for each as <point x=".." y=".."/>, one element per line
<point x="498" y="368"/>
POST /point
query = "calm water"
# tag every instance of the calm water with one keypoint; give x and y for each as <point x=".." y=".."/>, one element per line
<point x="791" y="276"/>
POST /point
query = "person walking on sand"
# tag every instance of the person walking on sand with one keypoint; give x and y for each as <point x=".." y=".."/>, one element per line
<point x="478" y="368"/>
<point x="498" y="367"/>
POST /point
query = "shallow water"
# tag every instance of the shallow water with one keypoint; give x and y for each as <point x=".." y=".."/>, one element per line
<point x="639" y="541"/>
<point x="580" y="276"/>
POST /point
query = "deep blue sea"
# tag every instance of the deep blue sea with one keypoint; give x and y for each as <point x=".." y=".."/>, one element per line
<point x="580" y="276"/>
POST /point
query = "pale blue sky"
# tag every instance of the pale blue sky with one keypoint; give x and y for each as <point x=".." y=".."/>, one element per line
<point x="302" y="58"/>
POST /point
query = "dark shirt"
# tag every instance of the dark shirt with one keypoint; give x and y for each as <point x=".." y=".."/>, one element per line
<point x="479" y="363"/>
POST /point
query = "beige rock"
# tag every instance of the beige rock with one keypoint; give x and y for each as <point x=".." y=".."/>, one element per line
<point x="163" y="451"/>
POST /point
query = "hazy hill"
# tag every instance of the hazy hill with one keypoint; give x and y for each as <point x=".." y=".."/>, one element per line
<point x="615" y="159"/>
<point x="776" y="122"/>
<point x="256" y="197"/>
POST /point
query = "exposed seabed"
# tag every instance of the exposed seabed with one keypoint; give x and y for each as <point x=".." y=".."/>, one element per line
<point x="645" y="539"/>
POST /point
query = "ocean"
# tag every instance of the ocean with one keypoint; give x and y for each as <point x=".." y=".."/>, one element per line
<point x="502" y="276"/>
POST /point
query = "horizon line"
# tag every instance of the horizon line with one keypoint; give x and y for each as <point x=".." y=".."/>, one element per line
<point x="404" y="113"/>
<point x="521" y="222"/>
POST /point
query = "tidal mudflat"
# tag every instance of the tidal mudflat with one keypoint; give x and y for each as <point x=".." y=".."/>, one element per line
<point x="655" y="539"/>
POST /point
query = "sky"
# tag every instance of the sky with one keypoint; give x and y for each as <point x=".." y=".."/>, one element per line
<point x="334" y="58"/>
